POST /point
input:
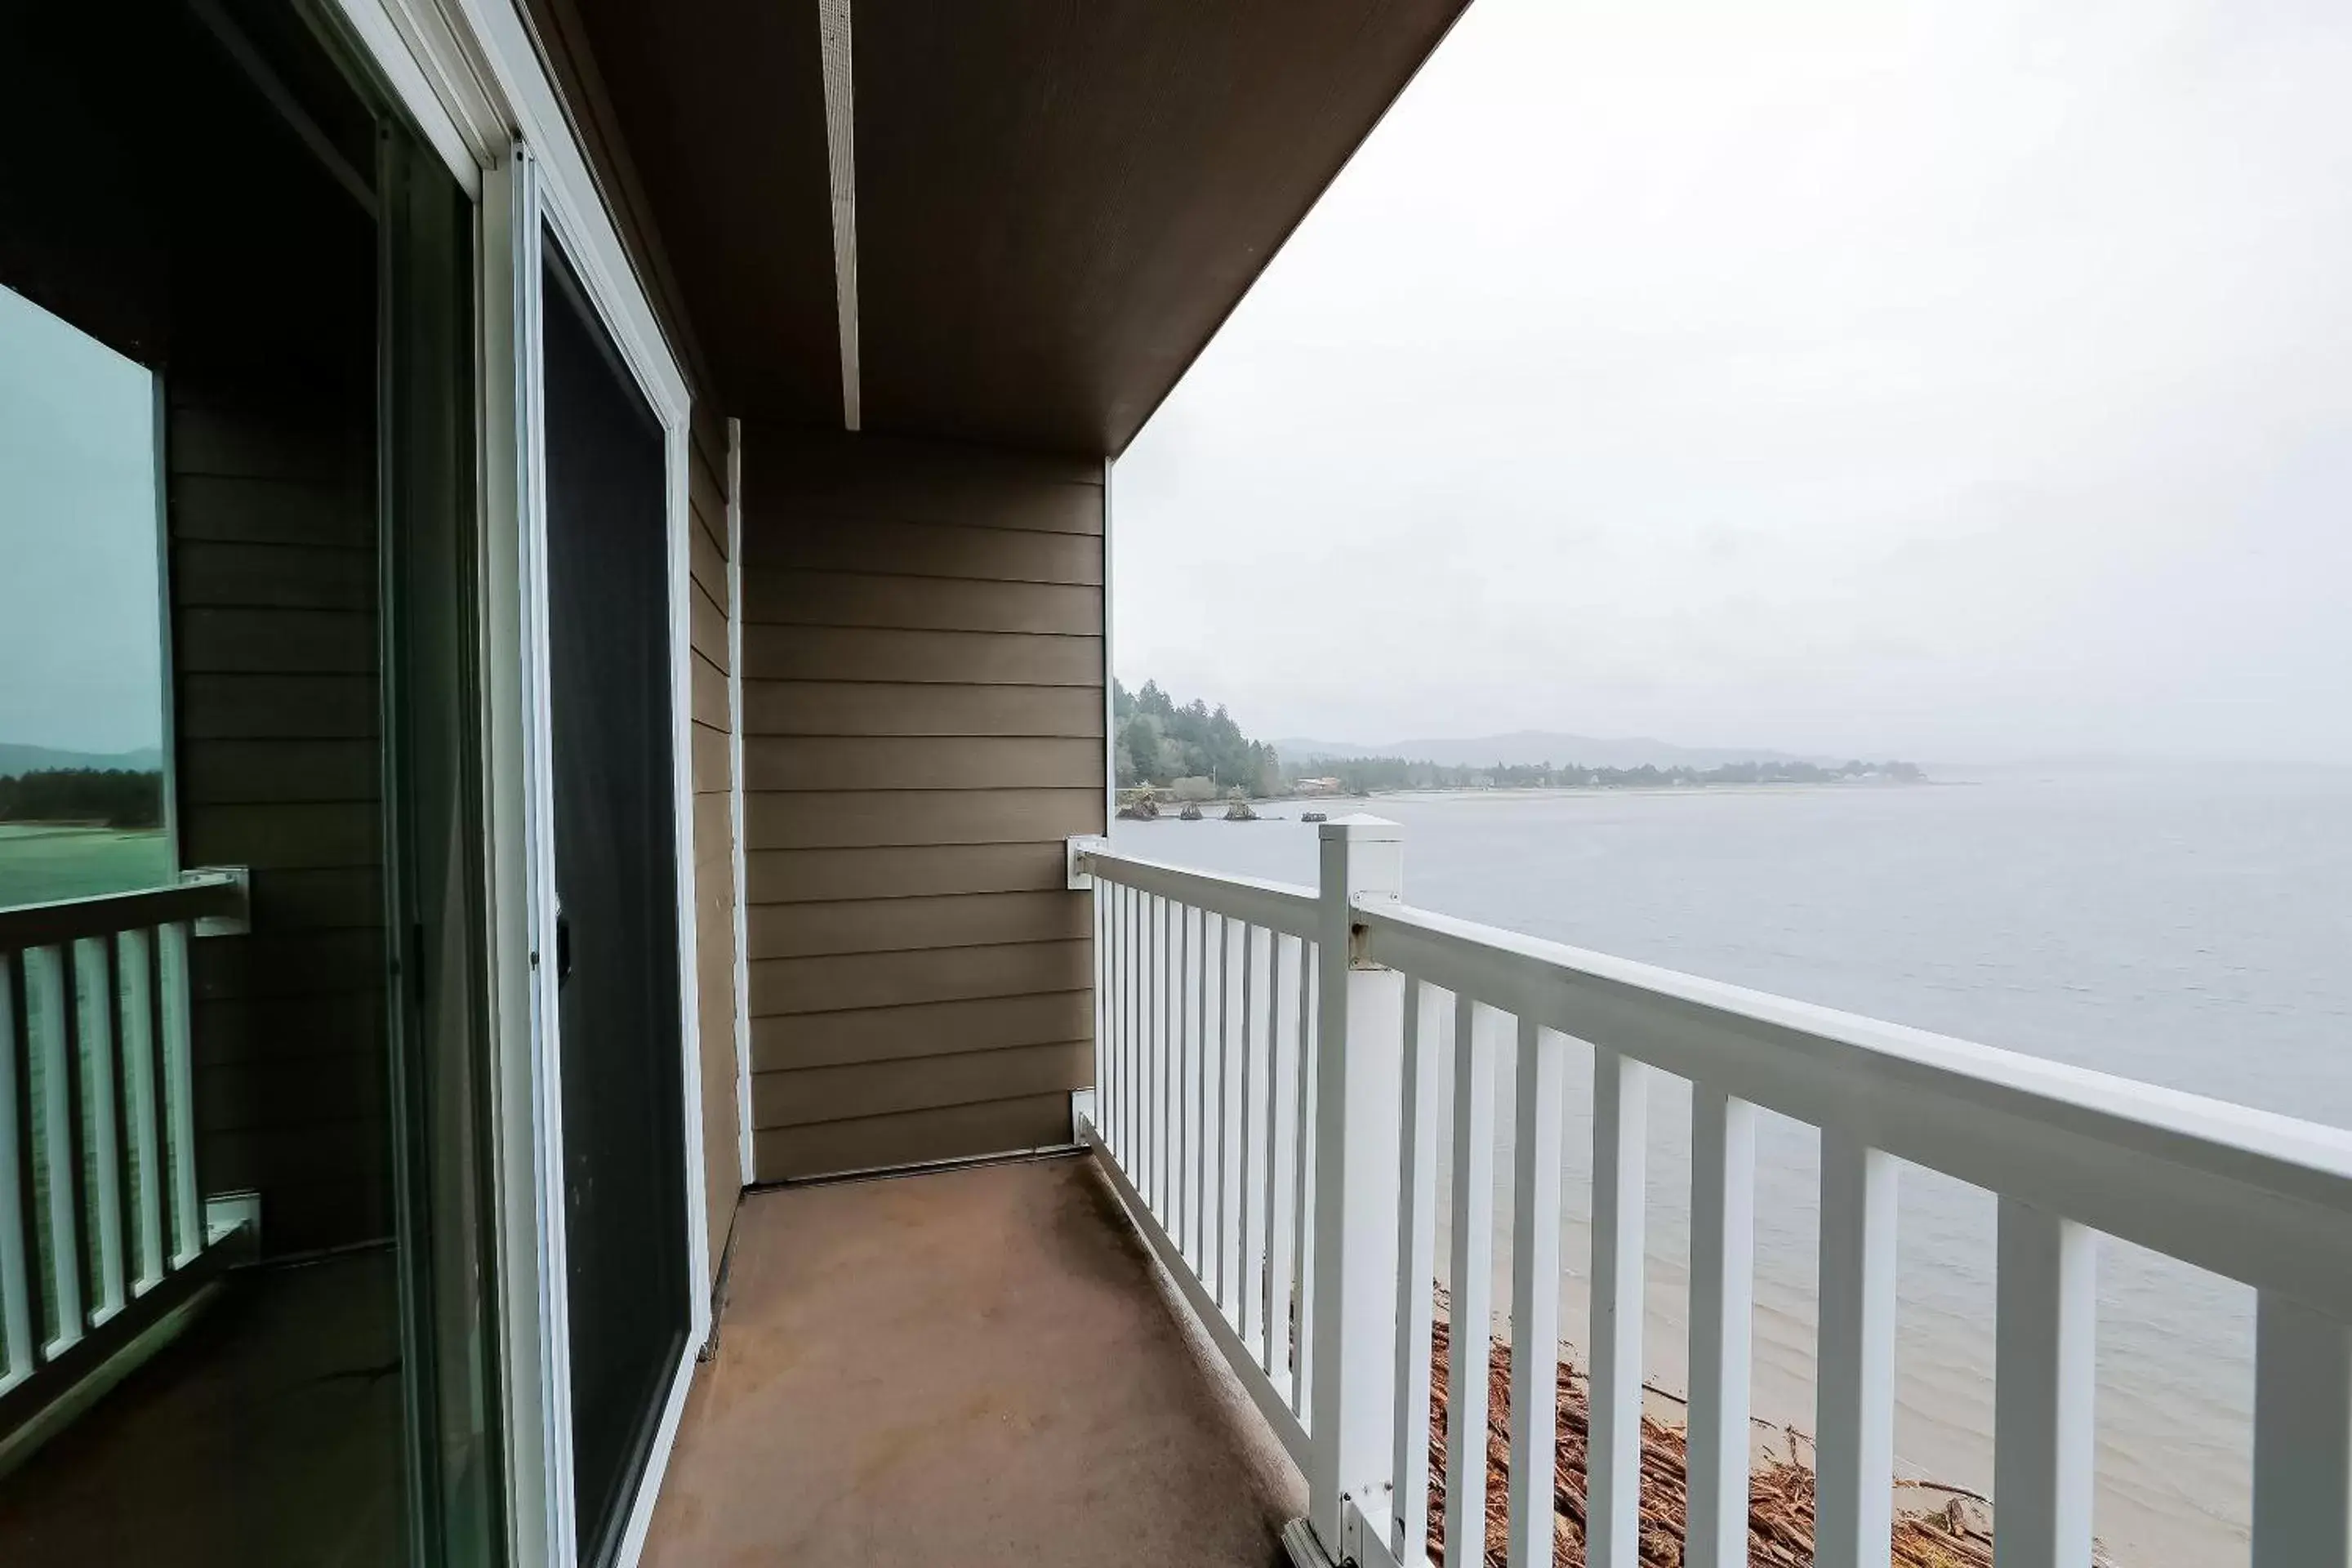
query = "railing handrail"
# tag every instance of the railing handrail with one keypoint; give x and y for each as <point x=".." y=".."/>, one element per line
<point x="198" y="895"/>
<point x="2041" y="1130"/>
<point x="1277" y="906"/>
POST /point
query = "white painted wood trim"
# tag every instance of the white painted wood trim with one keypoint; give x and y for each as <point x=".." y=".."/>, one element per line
<point x="1535" y="1290"/>
<point x="528" y="1163"/>
<point x="1426" y="1058"/>
<point x="2303" y="1437"/>
<point x="1472" y="1275"/>
<point x="841" y="164"/>
<point x="1619" y="1164"/>
<point x="1722" y="1319"/>
<point x="428" y="56"/>
<point x="2044" y="1326"/>
<point x="1853" y="1458"/>
<point x="745" y="1149"/>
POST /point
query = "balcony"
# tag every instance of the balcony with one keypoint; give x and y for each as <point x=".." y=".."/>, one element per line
<point x="1162" y="1352"/>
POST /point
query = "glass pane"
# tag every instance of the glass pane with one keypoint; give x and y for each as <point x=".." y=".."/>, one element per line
<point x="81" y="665"/>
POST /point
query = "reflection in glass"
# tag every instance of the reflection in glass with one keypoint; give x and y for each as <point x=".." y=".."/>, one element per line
<point x="81" y="675"/>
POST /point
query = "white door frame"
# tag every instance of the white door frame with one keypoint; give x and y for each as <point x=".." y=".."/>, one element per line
<point x="471" y="77"/>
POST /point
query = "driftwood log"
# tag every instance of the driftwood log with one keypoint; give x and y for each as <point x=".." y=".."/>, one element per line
<point x="1956" y="1532"/>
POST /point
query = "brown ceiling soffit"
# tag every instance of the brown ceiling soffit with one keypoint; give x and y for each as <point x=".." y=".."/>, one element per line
<point x="1010" y="221"/>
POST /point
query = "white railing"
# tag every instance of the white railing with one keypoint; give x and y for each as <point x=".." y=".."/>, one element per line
<point x="1278" y="1149"/>
<point x="100" y="1203"/>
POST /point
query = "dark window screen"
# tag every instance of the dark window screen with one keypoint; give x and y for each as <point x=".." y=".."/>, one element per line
<point x="615" y="847"/>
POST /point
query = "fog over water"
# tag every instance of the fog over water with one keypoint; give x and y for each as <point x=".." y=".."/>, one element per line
<point x="1957" y="381"/>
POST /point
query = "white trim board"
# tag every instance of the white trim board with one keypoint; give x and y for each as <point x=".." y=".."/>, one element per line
<point x="746" y="1151"/>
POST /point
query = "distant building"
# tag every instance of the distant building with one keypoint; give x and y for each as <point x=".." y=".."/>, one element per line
<point x="1318" y="786"/>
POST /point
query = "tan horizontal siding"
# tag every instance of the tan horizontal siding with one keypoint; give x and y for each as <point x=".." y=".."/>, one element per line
<point x="245" y="1027"/>
<point x="243" y="509"/>
<point x="248" y="640"/>
<point x="935" y="550"/>
<point x="706" y="620"/>
<point x="705" y="493"/>
<point x="896" y="925"/>
<point x="274" y="577"/>
<point x="712" y="762"/>
<point x="229" y="772"/>
<point x="963" y="763"/>
<point x="709" y="692"/>
<point x="706" y="561"/>
<point x="281" y="836"/>
<point x="879" y="1088"/>
<point x="923" y="727"/>
<point x="781" y="708"/>
<point x="780" y="985"/>
<point x="824" y="819"/>
<point x="920" y="603"/>
<point x="265" y="439"/>
<point x="276" y="707"/>
<point x="918" y="1029"/>
<point x="867" y="1143"/>
<point x="278" y="768"/>
<point x="320" y="897"/>
<point x="896" y="871"/>
<point x="962" y="659"/>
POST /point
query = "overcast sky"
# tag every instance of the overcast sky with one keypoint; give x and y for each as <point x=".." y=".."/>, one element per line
<point x="80" y="646"/>
<point x="1961" y="381"/>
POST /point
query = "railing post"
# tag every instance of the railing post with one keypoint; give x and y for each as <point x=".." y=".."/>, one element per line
<point x="1358" y="1084"/>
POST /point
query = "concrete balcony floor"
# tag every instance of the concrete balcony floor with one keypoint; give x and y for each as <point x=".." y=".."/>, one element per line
<point x="979" y="1366"/>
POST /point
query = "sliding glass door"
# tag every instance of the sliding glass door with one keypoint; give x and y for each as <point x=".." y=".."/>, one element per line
<point x="612" y="767"/>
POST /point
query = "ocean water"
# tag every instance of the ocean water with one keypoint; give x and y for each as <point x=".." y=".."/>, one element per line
<point x="2188" y="926"/>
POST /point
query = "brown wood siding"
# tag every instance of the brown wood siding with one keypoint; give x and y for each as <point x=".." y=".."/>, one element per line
<point x="923" y="726"/>
<point x="709" y="606"/>
<point x="279" y="768"/>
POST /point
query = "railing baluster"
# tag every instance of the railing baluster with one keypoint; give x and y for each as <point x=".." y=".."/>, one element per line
<point x="1132" y="1046"/>
<point x="1250" y="1265"/>
<point x="1098" y="930"/>
<point x="2303" y="1437"/>
<point x="141" y="1054"/>
<point x="1122" y="975"/>
<point x="1180" y="1095"/>
<point x="1282" y="1126"/>
<point x="18" y="1329"/>
<point x="1163" y="1071"/>
<point x="1854" y="1420"/>
<point x="1620" y="1164"/>
<point x="2043" y="1332"/>
<point x="56" y="1157"/>
<point x="1302" y="1206"/>
<point x="93" y="987"/>
<point x="1172" y="1051"/>
<point x="1202" y="1056"/>
<point x="1221" y="1258"/>
<point x="1535" y="1293"/>
<point x="1113" y="899"/>
<point x="1472" y="1276"/>
<point x="1424" y="1076"/>
<point x="1722" y="1318"/>
<point x="179" y="1089"/>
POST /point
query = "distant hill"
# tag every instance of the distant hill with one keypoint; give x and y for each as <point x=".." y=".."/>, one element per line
<point x="16" y="760"/>
<point x="1525" y="748"/>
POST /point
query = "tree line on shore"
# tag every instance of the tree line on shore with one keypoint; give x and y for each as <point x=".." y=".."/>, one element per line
<point x="1361" y="775"/>
<point x="111" y="797"/>
<point x="1199" y="753"/>
<point x="1155" y="742"/>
